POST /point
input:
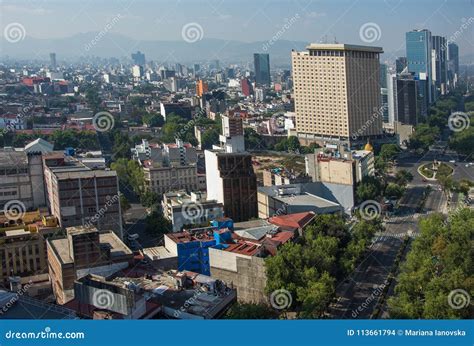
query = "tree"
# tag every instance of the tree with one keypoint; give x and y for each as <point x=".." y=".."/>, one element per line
<point x="438" y="266"/>
<point x="209" y="138"/>
<point x="389" y="151"/>
<point x="130" y="175"/>
<point x="394" y="190"/>
<point x="153" y="119"/>
<point x="424" y="136"/>
<point x="403" y="177"/>
<point x="368" y="189"/>
<point x="309" y="268"/>
<point x="248" y="311"/>
<point x="157" y="224"/>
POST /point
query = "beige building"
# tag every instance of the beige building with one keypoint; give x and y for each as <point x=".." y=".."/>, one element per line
<point x="337" y="93"/>
<point x="23" y="248"/>
<point x="78" y="195"/>
<point x="84" y="251"/>
<point x="347" y="170"/>
<point x="162" y="179"/>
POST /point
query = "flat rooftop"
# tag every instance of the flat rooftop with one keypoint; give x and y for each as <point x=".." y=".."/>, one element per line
<point x="117" y="247"/>
<point x="25" y="307"/>
<point x="342" y="46"/>
<point x="10" y="158"/>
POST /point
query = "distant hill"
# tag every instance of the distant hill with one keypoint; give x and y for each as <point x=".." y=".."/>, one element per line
<point x="76" y="47"/>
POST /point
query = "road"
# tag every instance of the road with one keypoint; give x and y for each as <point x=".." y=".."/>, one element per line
<point x="358" y="295"/>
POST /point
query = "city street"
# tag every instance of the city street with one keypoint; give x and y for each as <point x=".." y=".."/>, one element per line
<point x="358" y="295"/>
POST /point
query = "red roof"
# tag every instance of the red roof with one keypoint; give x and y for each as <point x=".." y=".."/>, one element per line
<point x="292" y="222"/>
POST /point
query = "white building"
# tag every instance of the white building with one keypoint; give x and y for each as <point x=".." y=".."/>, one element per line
<point x="183" y="209"/>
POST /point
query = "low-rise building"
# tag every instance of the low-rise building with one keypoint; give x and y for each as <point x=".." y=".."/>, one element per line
<point x="149" y="294"/>
<point x="21" y="177"/>
<point x="23" y="249"/>
<point x="281" y="176"/>
<point x="192" y="247"/>
<point x="340" y="167"/>
<point x="184" y="209"/>
<point x="241" y="261"/>
<point x="81" y="252"/>
<point x="321" y="198"/>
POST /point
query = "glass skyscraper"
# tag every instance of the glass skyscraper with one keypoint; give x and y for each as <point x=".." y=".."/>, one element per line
<point x="262" y="69"/>
<point x="418" y="47"/>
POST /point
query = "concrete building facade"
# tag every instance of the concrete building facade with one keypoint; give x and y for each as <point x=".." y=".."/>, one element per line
<point x="337" y="92"/>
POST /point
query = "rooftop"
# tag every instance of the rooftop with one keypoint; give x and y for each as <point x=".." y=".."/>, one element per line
<point x="11" y="158"/>
<point x="110" y="239"/>
<point x="342" y="46"/>
<point x="30" y="308"/>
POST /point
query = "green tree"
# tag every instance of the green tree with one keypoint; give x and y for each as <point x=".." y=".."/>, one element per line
<point x="370" y="188"/>
<point x="247" y="311"/>
<point x="439" y="265"/>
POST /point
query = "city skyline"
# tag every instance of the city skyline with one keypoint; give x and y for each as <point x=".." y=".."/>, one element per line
<point x="143" y="24"/>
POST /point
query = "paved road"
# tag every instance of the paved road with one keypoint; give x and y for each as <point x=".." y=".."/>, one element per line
<point x="358" y="295"/>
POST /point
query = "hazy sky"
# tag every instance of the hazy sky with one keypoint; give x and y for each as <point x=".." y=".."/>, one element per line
<point x="247" y="20"/>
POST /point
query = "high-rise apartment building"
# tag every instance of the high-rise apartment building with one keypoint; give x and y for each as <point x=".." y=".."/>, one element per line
<point x="230" y="178"/>
<point x="337" y="93"/>
<point x="262" y="69"/>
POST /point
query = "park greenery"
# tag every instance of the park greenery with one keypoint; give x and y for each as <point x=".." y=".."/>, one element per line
<point x="310" y="267"/>
<point x="439" y="262"/>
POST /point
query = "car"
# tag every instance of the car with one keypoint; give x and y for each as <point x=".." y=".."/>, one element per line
<point x="452" y="161"/>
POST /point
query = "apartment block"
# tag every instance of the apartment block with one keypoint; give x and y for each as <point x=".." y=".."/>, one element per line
<point x="23" y="248"/>
<point x="83" y="251"/>
<point x="80" y="196"/>
<point x="183" y="209"/>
